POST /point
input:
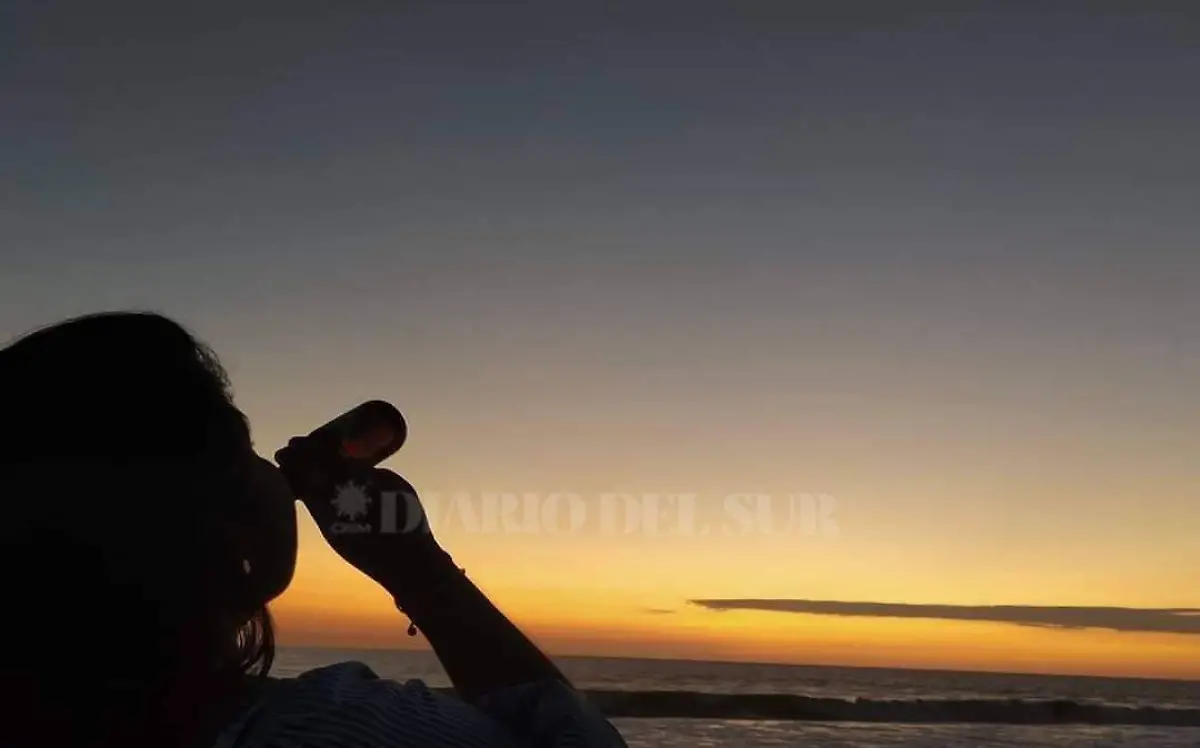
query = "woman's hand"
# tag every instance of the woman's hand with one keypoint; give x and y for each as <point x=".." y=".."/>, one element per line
<point x="372" y="518"/>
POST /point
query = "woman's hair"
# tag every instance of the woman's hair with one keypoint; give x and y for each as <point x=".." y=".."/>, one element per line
<point x="122" y="476"/>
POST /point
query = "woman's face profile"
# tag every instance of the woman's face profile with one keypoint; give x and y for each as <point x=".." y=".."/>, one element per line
<point x="266" y="525"/>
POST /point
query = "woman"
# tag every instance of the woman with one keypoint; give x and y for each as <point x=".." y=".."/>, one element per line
<point x="144" y="538"/>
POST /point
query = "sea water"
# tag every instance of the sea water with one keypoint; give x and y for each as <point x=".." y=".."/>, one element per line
<point x="876" y="707"/>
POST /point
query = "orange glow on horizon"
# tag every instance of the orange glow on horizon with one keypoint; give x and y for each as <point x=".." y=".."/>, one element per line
<point x="355" y="613"/>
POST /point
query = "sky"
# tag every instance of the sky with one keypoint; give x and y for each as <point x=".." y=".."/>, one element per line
<point x="923" y="280"/>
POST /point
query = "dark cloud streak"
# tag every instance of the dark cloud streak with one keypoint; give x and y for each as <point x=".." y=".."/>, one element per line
<point x="1155" y="620"/>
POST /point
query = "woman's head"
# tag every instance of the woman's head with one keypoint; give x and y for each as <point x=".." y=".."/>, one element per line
<point x="142" y="535"/>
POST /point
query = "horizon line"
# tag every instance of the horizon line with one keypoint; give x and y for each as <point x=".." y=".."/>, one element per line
<point x="767" y="663"/>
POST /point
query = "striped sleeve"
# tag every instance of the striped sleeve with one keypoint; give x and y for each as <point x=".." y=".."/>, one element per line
<point x="348" y="706"/>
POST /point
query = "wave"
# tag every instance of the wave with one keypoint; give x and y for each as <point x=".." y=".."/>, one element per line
<point x="696" y="705"/>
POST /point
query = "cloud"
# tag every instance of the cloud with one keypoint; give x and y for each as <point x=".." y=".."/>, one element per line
<point x="1158" y="620"/>
<point x="658" y="611"/>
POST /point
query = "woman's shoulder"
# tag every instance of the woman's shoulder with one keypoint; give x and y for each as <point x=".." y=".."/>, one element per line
<point x="330" y="679"/>
<point x="348" y="704"/>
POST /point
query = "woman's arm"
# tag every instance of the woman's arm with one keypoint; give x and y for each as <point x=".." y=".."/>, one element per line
<point x="481" y="650"/>
<point x="490" y="662"/>
<point x="478" y="646"/>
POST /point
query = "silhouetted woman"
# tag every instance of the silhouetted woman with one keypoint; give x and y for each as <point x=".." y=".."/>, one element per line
<point x="142" y="539"/>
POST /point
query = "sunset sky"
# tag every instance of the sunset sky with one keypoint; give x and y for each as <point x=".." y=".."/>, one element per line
<point x="941" y="269"/>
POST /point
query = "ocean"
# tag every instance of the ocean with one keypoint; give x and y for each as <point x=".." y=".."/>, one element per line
<point x="709" y="704"/>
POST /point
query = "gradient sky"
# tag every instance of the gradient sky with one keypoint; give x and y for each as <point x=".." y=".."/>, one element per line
<point x="939" y="266"/>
